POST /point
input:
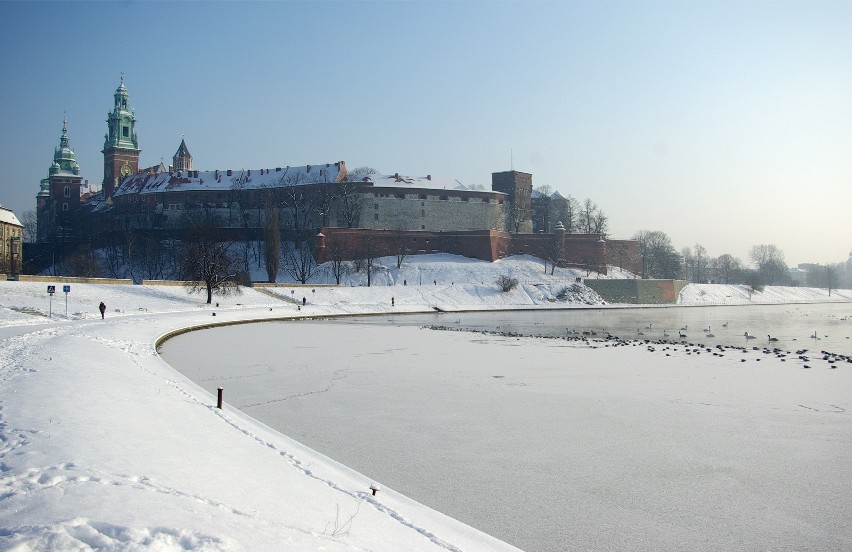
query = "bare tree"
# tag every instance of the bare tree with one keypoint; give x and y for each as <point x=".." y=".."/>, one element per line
<point x="82" y="263"/>
<point x="659" y="257"/>
<point x="545" y="209"/>
<point x="154" y="258"/>
<point x="244" y="217"/>
<point x="553" y="254"/>
<point x="592" y="219"/>
<point x="299" y="261"/>
<point x="566" y="210"/>
<point x="700" y="263"/>
<point x="688" y="261"/>
<point x="271" y="240"/>
<point x="366" y="256"/>
<point x="769" y="261"/>
<point x="323" y="203"/>
<point x="296" y="199"/>
<point x="359" y="173"/>
<point x="210" y="263"/>
<point x="348" y="195"/>
<point x="727" y="269"/>
<point x="349" y="202"/>
<point x="114" y="255"/>
<point x="401" y="246"/>
<point x="338" y="253"/>
<point x="30" y="221"/>
<point x="517" y="215"/>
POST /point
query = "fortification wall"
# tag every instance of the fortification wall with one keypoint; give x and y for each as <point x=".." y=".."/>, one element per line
<point x="643" y="292"/>
<point x="576" y="250"/>
<point x="431" y="211"/>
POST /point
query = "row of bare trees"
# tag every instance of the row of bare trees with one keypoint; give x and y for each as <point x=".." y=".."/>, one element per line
<point x="576" y="217"/>
<point x="767" y="265"/>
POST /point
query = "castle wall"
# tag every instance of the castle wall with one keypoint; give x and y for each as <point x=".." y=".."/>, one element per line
<point x="576" y="250"/>
<point x="624" y="254"/>
<point x="359" y="243"/>
<point x="431" y="210"/>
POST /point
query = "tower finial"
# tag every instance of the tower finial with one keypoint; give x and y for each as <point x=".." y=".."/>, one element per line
<point x="122" y="77"/>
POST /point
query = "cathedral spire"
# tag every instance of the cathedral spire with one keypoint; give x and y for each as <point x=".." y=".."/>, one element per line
<point x="121" y="146"/>
<point x="182" y="160"/>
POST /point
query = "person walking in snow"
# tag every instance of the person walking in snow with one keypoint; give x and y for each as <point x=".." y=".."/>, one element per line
<point x="102" y="308"/>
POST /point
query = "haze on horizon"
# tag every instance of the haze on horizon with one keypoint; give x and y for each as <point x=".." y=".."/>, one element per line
<point x="725" y="124"/>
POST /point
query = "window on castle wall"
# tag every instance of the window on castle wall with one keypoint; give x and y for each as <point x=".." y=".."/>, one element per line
<point x="64" y="206"/>
<point x="377" y="216"/>
<point x="125" y="131"/>
<point x="67" y="191"/>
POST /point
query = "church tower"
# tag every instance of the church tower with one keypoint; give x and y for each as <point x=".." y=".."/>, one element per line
<point x="121" y="148"/>
<point x="59" y="196"/>
<point x="182" y="161"/>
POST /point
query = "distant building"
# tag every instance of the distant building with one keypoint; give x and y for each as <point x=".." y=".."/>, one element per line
<point x="182" y="160"/>
<point x="58" y="200"/>
<point x="121" y="146"/>
<point x="163" y="201"/>
<point x="10" y="242"/>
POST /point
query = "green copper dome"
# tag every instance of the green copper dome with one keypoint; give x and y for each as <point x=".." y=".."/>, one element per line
<point x="64" y="160"/>
<point x="121" y="122"/>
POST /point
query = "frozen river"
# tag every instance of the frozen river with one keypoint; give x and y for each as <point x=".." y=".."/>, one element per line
<point x="793" y="326"/>
<point x="552" y="445"/>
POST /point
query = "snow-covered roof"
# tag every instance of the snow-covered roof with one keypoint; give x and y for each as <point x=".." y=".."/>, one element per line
<point x="186" y="181"/>
<point x="537" y="195"/>
<point x="8" y="217"/>
<point x="420" y="182"/>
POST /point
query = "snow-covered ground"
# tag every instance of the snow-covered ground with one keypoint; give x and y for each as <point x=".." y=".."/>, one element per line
<point x="721" y="294"/>
<point x="104" y="446"/>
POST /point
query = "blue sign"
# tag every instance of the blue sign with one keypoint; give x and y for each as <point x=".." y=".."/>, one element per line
<point x="66" y="289"/>
<point x="51" y="289"/>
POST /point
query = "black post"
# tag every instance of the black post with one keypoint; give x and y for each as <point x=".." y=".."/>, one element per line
<point x="219" y="400"/>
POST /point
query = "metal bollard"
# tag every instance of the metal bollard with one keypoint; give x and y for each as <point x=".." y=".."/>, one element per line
<point x="219" y="400"/>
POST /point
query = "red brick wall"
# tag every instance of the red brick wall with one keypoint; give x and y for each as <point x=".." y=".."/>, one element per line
<point x="489" y="245"/>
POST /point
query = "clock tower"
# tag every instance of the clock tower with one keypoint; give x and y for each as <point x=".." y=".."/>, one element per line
<point x="121" y="148"/>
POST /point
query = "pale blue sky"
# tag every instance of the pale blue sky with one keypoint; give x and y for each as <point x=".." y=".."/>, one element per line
<point x="721" y="123"/>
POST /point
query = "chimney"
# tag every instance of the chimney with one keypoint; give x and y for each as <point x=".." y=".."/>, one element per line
<point x="429" y="177"/>
<point x="228" y="173"/>
<point x="309" y="168"/>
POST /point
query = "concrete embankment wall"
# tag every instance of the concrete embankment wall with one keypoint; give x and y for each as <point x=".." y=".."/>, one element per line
<point x="73" y="280"/>
<point x="641" y="292"/>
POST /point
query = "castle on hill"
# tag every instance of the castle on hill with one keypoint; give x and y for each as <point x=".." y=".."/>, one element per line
<point x="321" y="204"/>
